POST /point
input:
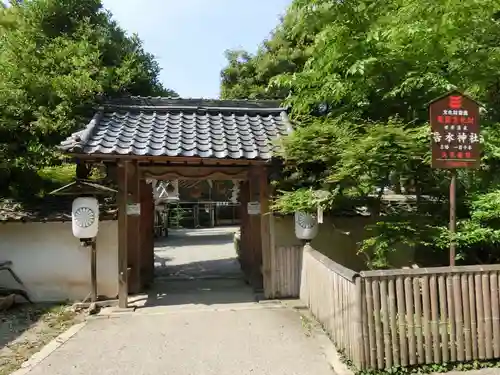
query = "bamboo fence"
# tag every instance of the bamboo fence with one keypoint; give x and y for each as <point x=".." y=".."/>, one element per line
<point x="404" y="317"/>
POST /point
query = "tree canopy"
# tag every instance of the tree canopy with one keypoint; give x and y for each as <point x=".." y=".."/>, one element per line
<point x="358" y="76"/>
<point x="58" y="58"/>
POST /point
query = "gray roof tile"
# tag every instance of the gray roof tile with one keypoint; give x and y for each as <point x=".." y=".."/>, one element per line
<point x="241" y="129"/>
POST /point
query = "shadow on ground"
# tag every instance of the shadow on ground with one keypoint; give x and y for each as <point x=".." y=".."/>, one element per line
<point x="190" y="239"/>
<point x="208" y="291"/>
<point x="217" y="268"/>
<point x="196" y="267"/>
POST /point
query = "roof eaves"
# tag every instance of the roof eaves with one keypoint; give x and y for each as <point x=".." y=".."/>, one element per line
<point x="76" y="142"/>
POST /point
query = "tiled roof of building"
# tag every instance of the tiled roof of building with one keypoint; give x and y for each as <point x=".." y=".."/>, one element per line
<point x="48" y="211"/>
<point x="224" y="129"/>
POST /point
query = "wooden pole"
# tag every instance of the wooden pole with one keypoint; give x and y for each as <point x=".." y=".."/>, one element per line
<point x="453" y="216"/>
<point x="93" y="270"/>
<point x="122" y="235"/>
<point x="265" y="231"/>
<point x="133" y="229"/>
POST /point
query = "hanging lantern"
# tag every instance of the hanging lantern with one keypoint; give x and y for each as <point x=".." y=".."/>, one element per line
<point x="85" y="217"/>
<point x="306" y="226"/>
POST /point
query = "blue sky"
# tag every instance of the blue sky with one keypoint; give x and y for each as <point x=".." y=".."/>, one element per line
<point x="189" y="37"/>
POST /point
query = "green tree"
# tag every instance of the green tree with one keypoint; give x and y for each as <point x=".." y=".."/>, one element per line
<point x="58" y="58"/>
<point x="359" y="103"/>
<point x="286" y="51"/>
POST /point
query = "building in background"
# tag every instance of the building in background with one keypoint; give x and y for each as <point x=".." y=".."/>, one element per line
<point x="195" y="204"/>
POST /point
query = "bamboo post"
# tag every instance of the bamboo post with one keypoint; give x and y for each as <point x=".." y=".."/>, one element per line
<point x="436" y="342"/>
<point x="403" y="336"/>
<point x="394" y="344"/>
<point x="426" y="308"/>
<point x="371" y="328"/>
<point x="466" y="316"/>
<point x="378" y="323"/>
<point x="451" y="317"/>
<point x="495" y="314"/>
<point x="385" y="323"/>
<point x="358" y="319"/>
<point x="410" y="321"/>
<point x="459" y="324"/>
<point x="480" y="316"/>
<point x="418" y="319"/>
<point x="487" y="316"/>
<point x="366" y="339"/>
<point x="473" y="321"/>
<point x="445" y="346"/>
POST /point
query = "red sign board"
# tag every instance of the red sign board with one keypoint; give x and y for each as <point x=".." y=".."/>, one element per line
<point x="455" y="132"/>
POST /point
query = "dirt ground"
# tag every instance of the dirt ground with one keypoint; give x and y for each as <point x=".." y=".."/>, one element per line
<point x="25" y="329"/>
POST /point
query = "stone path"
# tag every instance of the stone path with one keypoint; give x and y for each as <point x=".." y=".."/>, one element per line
<point x="210" y="326"/>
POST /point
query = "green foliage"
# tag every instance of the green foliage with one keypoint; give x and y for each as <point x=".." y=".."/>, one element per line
<point x="58" y="58"/>
<point x="358" y="76"/>
<point x="176" y="215"/>
<point x="63" y="174"/>
<point x="433" y="368"/>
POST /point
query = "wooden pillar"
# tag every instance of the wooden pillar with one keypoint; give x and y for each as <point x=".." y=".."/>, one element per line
<point x="134" y="230"/>
<point x="93" y="270"/>
<point x="122" y="234"/>
<point x="245" y="232"/>
<point x="147" y="234"/>
<point x="265" y="231"/>
<point x="255" y="230"/>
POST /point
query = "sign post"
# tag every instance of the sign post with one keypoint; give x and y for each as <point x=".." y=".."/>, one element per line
<point x="455" y="143"/>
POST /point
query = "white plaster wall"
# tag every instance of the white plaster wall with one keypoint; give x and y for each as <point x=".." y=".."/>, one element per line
<point x="52" y="263"/>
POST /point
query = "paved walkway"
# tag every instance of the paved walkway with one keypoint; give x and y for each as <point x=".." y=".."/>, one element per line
<point x="201" y="326"/>
<point x="197" y="253"/>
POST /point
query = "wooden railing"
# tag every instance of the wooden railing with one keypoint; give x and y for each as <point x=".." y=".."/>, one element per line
<point x="286" y="268"/>
<point x="405" y="317"/>
<point x="333" y="293"/>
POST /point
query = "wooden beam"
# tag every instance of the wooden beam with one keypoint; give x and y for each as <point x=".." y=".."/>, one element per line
<point x="194" y="172"/>
<point x="265" y="230"/>
<point x="165" y="160"/>
<point x="122" y="234"/>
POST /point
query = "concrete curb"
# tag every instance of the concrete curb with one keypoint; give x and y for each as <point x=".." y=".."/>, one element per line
<point x="111" y="313"/>
<point x="48" y="349"/>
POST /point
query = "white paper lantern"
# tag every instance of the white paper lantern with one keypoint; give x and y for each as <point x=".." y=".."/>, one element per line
<point x="85" y="217"/>
<point x="306" y="226"/>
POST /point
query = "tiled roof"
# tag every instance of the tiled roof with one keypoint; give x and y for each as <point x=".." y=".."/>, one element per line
<point x="233" y="129"/>
<point x="48" y="211"/>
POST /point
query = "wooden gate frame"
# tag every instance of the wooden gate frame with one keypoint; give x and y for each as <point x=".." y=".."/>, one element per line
<point x="135" y="240"/>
